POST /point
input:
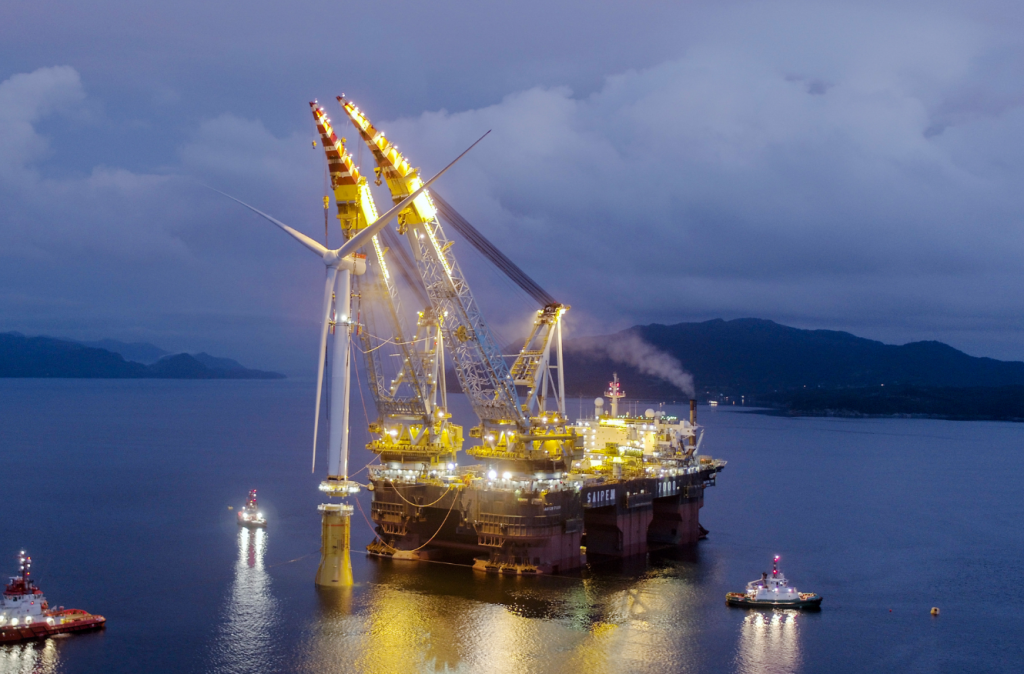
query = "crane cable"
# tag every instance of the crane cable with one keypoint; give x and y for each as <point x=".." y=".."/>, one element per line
<point x="491" y="252"/>
<point x="393" y="548"/>
<point x="385" y="342"/>
<point x="420" y="505"/>
<point x="353" y="347"/>
<point x="406" y="266"/>
<point x="445" y="520"/>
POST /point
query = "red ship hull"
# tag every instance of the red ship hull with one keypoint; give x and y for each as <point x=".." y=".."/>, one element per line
<point x="41" y="630"/>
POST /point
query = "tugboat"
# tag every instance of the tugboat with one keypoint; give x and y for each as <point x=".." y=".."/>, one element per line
<point x="250" y="516"/>
<point x="25" y="614"/>
<point x="773" y="592"/>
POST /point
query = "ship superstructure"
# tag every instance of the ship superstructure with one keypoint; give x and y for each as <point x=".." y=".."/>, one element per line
<point x="643" y="478"/>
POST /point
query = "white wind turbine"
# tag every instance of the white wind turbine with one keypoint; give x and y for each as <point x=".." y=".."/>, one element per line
<point x="338" y="289"/>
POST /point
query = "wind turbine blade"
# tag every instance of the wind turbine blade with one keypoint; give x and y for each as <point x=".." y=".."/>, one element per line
<point x="312" y="244"/>
<point x="332" y="273"/>
<point x="364" y="235"/>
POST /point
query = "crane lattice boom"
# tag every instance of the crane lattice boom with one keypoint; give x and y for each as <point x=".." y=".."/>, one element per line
<point x="482" y="371"/>
<point x="409" y="425"/>
<point x="509" y="431"/>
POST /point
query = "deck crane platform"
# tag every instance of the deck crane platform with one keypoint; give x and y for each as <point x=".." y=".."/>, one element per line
<point x="508" y="431"/>
<point x="411" y="426"/>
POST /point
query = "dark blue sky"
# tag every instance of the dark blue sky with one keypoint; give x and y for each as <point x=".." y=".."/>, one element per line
<point x="853" y="166"/>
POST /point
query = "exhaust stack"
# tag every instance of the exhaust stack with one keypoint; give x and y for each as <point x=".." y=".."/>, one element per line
<point x="693" y="422"/>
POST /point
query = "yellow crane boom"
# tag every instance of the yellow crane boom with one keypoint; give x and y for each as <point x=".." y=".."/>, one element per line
<point x="508" y="430"/>
<point x="410" y="425"/>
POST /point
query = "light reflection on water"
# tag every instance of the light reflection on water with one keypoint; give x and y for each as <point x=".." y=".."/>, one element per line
<point x="419" y="620"/>
<point x="170" y="597"/>
<point x="769" y="643"/>
<point x="245" y="644"/>
<point x="30" y="658"/>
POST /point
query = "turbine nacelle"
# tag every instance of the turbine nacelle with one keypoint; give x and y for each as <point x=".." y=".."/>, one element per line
<point x="354" y="263"/>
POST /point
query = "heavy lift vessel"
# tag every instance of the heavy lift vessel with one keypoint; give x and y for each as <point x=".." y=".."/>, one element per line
<point x="542" y="484"/>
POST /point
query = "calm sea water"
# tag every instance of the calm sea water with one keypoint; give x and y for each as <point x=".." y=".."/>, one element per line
<point x="120" y="492"/>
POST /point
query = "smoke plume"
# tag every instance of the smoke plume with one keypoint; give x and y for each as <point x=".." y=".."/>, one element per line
<point x="631" y="349"/>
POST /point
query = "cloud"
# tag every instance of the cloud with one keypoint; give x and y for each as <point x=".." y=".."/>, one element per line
<point x="109" y="210"/>
<point x="843" y="165"/>
<point x="814" y="165"/>
<point x="140" y="254"/>
<point x="24" y="100"/>
<point x="245" y="152"/>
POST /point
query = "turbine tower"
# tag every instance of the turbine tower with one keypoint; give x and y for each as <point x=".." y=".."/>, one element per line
<point x="341" y="263"/>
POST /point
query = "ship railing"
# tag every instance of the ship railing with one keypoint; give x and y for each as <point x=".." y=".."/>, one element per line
<point x="393" y="529"/>
<point x="696" y="490"/>
<point x="382" y="511"/>
<point x="634" y="500"/>
<point x="389" y="451"/>
<point x="516" y="526"/>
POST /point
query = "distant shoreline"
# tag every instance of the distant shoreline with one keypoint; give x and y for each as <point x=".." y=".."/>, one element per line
<point x="24" y="357"/>
<point x="853" y="414"/>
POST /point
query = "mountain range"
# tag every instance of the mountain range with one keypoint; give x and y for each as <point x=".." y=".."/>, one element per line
<point x="757" y="361"/>
<point x="746" y="361"/>
<point x="22" y="356"/>
<point x="139" y="352"/>
<point x="752" y="357"/>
